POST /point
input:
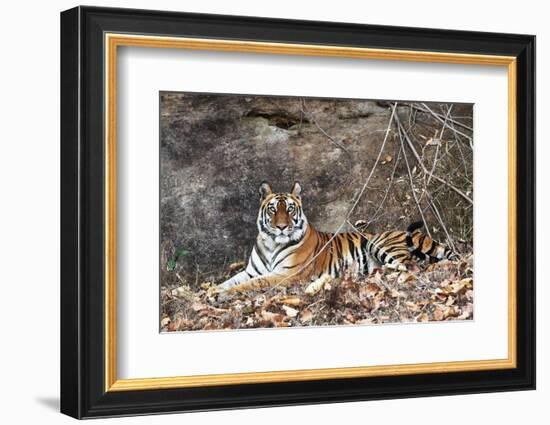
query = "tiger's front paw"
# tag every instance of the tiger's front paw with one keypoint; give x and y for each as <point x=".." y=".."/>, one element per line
<point x="217" y="289"/>
<point x="223" y="289"/>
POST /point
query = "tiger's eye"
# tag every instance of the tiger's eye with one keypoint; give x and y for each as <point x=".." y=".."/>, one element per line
<point x="290" y="208"/>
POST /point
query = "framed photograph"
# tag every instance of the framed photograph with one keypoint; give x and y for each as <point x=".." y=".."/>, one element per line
<point x="261" y="212"/>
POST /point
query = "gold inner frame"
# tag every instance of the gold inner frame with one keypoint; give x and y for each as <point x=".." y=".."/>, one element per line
<point x="113" y="41"/>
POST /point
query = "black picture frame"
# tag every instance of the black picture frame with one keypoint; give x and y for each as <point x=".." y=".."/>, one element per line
<point x="83" y="392"/>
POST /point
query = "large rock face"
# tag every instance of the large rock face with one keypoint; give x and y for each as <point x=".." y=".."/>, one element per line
<point x="217" y="149"/>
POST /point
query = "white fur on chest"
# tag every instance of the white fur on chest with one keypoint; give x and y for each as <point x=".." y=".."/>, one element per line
<point x="273" y="256"/>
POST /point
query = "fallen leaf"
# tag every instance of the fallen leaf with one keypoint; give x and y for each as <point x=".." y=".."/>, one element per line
<point x="198" y="306"/>
<point x="439" y="314"/>
<point x="375" y="303"/>
<point x="452" y="311"/>
<point x="412" y="306"/>
<point x="394" y="293"/>
<point x="459" y="286"/>
<point x="207" y="310"/>
<point x="206" y="285"/>
<point x="377" y="277"/>
<point x="467" y="312"/>
<point x="433" y="142"/>
<point x="405" y="277"/>
<point x="276" y="319"/>
<point x="182" y="292"/>
<point x="292" y="301"/>
<point x="174" y="324"/>
<point x="290" y="312"/>
<point x="422" y="317"/>
<point x="306" y="316"/>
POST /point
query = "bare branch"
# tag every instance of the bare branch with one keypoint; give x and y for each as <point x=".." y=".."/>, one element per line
<point x="411" y="182"/>
<point x="441" y="222"/>
<point x="454" y="121"/>
<point x="388" y="187"/>
<point x="437" y="117"/>
<point x="439" y="179"/>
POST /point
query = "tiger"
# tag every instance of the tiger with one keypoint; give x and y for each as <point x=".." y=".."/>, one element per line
<point x="288" y="248"/>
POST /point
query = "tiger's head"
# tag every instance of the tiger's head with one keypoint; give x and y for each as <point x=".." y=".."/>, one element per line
<point x="281" y="217"/>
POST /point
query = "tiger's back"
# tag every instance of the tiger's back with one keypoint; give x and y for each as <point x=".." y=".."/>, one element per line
<point x="395" y="248"/>
<point x="335" y="253"/>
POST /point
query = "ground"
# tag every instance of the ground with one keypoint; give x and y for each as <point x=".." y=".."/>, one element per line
<point x="437" y="292"/>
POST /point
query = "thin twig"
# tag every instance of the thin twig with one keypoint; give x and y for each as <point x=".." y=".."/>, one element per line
<point x="439" y="179"/>
<point x="451" y="126"/>
<point x="454" y="121"/>
<point x="439" y="189"/>
<point x="388" y="187"/>
<point x="441" y="223"/>
<point x="309" y="116"/>
<point x="412" y="184"/>
<point x="436" y="116"/>
<point x="443" y="127"/>
<point x="427" y="181"/>
<point x="365" y="235"/>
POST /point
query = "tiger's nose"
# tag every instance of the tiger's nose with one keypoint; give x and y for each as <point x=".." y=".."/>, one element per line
<point x="282" y="226"/>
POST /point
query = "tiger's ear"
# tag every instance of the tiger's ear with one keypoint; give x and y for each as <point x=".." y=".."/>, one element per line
<point x="265" y="190"/>
<point x="296" y="190"/>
